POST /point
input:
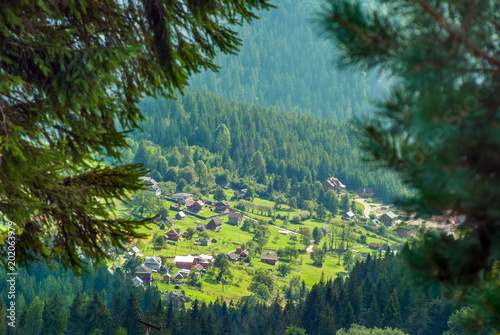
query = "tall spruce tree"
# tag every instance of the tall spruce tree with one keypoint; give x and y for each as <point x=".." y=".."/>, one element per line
<point x="54" y="316"/>
<point x="72" y="74"/>
<point x="132" y="313"/>
<point x="438" y="128"/>
<point x="76" y="316"/>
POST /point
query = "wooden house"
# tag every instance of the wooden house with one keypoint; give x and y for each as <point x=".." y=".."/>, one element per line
<point x="235" y="218"/>
<point x="222" y="206"/>
<point x="215" y="224"/>
<point x="269" y="258"/>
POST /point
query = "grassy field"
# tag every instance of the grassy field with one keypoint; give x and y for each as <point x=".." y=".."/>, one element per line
<point x="303" y="266"/>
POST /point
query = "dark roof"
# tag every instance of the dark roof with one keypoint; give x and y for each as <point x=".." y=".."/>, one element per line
<point x="176" y="231"/>
<point x="233" y="255"/>
<point x="170" y="220"/>
<point x="325" y="229"/>
<point x="217" y="221"/>
<point x="142" y="269"/>
<point x="235" y="215"/>
<point x="270" y="255"/>
<point x="222" y="203"/>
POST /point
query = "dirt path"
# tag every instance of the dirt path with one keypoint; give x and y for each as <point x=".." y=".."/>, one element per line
<point x="367" y="210"/>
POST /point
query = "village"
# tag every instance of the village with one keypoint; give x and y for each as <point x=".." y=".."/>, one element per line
<point x="197" y="230"/>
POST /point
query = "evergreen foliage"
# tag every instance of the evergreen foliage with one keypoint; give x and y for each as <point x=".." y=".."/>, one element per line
<point x="438" y="130"/>
<point x="71" y="76"/>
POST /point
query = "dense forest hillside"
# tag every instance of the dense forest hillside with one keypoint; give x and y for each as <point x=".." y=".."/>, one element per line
<point x="284" y="63"/>
<point x="293" y="146"/>
<point x="376" y="294"/>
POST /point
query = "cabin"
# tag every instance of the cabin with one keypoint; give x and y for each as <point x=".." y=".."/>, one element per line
<point x="180" y="215"/>
<point x="135" y="252"/>
<point x="222" y="206"/>
<point x="182" y="197"/>
<point x="167" y="278"/>
<point x="170" y="221"/>
<point x="144" y="273"/>
<point x="374" y="223"/>
<point x="405" y="231"/>
<point x="235" y="218"/>
<point x="334" y="184"/>
<point x="185" y="262"/>
<point x="195" y="206"/>
<point x="233" y="256"/>
<point x="205" y="243"/>
<point x="200" y="227"/>
<point x="205" y="260"/>
<point x="388" y="218"/>
<point x="153" y="262"/>
<point x="348" y="216"/>
<point x="269" y="258"/>
<point x="215" y="224"/>
<point x="177" y="299"/>
<point x="365" y="192"/>
<point x="175" y="234"/>
<point x="136" y="281"/>
<point x="325" y="230"/>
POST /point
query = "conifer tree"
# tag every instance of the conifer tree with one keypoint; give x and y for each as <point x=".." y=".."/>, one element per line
<point x="98" y="316"/>
<point x="132" y="313"/>
<point x="54" y="316"/>
<point x="79" y="74"/>
<point x="391" y="316"/>
<point x="118" y="311"/>
<point x="76" y="316"/>
<point x="33" y="323"/>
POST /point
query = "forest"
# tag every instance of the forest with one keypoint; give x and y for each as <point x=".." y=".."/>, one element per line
<point x="270" y="148"/>
<point x="377" y="294"/>
<point x="284" y="64"/>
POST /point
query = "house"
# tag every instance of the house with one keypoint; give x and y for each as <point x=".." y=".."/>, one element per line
<point x="405" y="215"/>
<point x="222" y="206"/>
<point x="388" y="218"/>
<point x="174" y="207"/>
<point x="167" y="277"/>
<point x="146" y="180"/>
<point x="170" y="221"/>
<point x="269" y="258"/>
<point x="334" y="184"/>
<point x="244" y="254"/>
<point x="205" y="243"/>
<point x="185" y="262"/>
<point x="136" y="281"/>
<point x="405" y="231"/>
<point x="180" y="275"/>
<point x="445" y="219"/>
<point x="175" y="234"/>
<point x="201" y="227"/>
<point x="182" y="197"/>
<point x="135" y="252"/>
<point x="180" y="215"/>
<point x="374" y="223"/>
<point x="152" y="262"/>
<point x="325" y="230"/>
<point x="177" y="299"/>
<point x="195" y="206"/>
<point x="233" y="256"/>
<point x="235" y="218"/>
<point x="145" y="273"/>
<point x="199" y="267"/>
<point x="205" y="260"/>
<point x="215" y="224"/>
<point x="348" y="216"/>
<point x="375" y="245"/>
<point x="365" y="192"/>
<point x="226" y="186"/>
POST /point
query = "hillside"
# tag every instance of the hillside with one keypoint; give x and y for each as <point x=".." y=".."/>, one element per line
<point x="284" y="63"/>
<point x="294" y="147"/>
